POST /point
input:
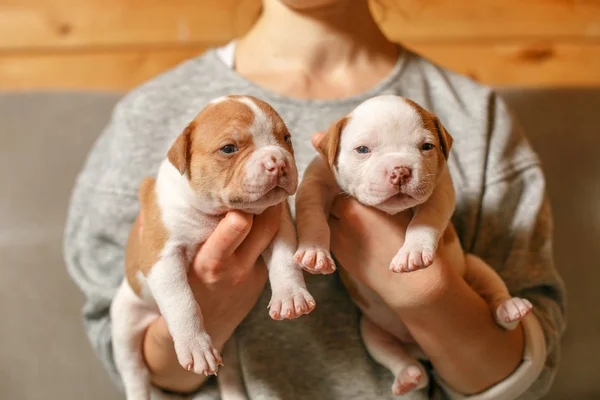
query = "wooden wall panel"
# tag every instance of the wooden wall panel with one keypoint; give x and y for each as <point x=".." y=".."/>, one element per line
<point x="65" y="23"/>
<point x="101" y="70"/>
<point x="522" y="64"/>
<point x="116" y="44"/>
<point x="34" y="24"/>
<point x="476" y="20"/>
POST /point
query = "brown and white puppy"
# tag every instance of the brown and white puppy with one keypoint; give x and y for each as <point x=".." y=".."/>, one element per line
<point x="236" y="154"/>
<point x="391" y="154"/>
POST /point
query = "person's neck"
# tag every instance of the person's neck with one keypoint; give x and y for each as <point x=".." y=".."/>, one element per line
<point x="315" y="42"/>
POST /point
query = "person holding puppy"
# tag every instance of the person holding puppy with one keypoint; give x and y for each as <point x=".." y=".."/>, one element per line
<point x="314" y="61"/>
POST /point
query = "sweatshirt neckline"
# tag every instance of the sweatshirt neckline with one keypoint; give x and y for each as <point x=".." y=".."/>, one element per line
<point x="271" y="96"/>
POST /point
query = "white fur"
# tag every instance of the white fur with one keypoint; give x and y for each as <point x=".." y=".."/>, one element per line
<point x="289" y="299"/>
<point x="169" y="285"/>
<point x="219" y="100"/>
<point x="189" y="220"/>
<point x="391" y="353"/>
<point x="130" y="317"/>
<point x="261" y="123"/>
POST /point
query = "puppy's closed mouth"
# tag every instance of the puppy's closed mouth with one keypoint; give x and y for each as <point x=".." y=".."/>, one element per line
<point x="402" y="196"/>
<point x="256" y="191"/>
<point x="259" y="198"/>
<point x="398" y="198"/>
<point x="259" y="190"/>
<point x="386" y="196"/>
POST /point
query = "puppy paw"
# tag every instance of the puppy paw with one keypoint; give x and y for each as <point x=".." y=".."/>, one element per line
<point x="290" y="303"/>
<point x="412" y="256"/>
<point x="196" y="353"/>
<point x="315" y="260"/>
<point x="511" y="311"/>
<point x="409" y="379"/>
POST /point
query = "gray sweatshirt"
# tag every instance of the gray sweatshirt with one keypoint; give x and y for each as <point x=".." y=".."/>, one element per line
<point x="502" y="215"/>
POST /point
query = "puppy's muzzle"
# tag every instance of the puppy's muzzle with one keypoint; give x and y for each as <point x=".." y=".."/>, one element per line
<point x="271" y="167"/>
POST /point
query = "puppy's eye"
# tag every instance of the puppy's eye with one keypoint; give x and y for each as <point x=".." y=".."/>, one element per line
<point x="229" y="149"/>
<point x="288" y="139"/>
<point x="427" y="146"/>
<point x="362" y="150"/>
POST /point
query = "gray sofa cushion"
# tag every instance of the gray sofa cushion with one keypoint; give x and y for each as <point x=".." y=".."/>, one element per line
<point x="44" y="138"/>
<point x="44" y="354"/>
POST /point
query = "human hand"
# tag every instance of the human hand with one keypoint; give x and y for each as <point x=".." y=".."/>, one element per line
<point x="364" y="240"/>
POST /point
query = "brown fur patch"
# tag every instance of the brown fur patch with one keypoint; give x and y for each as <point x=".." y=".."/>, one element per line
<point x="330" y="144"/>
<point x="449" y="236"/>
<point x="179" y="153"/>
<point x="451" y="250"/>
<point x="432" y="123"/>
<point x="144" y="247"/>
<point x="444" y="137"/>
<point x="218" y="125"/>
<point x="132" y="250"/>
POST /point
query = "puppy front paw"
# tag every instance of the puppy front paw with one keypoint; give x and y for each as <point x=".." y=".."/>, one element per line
<point x="511" y="311"/>
<point x="196" y="353"/>
<point x="290" y="302"/>
<point x="315" y="259"/>
<point x="413" y="256"/>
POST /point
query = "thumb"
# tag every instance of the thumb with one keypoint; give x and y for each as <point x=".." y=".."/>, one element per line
<point x="227" y="236"/>
<point x="264" y="229"/>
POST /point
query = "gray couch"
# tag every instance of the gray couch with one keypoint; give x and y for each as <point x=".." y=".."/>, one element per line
<point x="44" y="138"/>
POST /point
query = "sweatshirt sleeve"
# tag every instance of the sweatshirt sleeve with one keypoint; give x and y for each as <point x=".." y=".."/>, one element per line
<point x="100" y="214"/>
<point x="514" y="236"/>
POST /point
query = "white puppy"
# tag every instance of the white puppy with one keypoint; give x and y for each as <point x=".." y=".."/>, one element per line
<point x="236" y="154"/>
<point x="391" y="154"/>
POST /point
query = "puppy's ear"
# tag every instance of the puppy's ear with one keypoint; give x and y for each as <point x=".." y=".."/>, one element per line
<point x="445" y="138"/>
<point x="330" y="144"/>
<point x="179" y="153"/>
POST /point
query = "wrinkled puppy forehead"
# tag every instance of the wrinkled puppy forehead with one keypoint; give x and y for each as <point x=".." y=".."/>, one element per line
<point x="389" y="112"/>
<point x="242" y="116"/>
